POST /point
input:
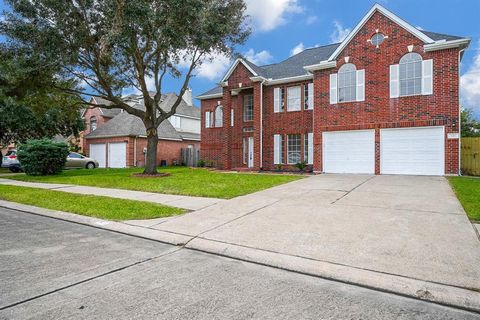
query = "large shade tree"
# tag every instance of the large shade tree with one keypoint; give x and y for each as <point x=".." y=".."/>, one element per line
<point x="30" y="107"/>
<point x="109" y="46"/>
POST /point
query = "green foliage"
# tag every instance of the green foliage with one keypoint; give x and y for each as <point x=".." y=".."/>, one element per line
<point x="470" y="126"/>
<point x="467" y="190"/>
<point x="201" y="163"/>
<point x="279" y="167"/>
<point x="301" y="165"/>
<point x="110" y="46"/>
<point x="43" y="157"/>
<point x="30" y="106"/>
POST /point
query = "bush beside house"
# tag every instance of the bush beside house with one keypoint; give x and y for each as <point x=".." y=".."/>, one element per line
<point x="43" y="157"/>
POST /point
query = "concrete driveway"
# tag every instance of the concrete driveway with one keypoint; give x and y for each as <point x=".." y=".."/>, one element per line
<point x="406" y="234"/>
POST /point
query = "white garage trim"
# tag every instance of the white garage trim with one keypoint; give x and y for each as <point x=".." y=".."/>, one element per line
<point x="414" y="151"/>
<point x="117" y="155"/>
<point x="98" y="151"/>
<point x="349" y="151"/>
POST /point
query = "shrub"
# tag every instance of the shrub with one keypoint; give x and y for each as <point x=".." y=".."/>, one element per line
<point x="279" y="167"/>
<point x="201" y="163"/>
<point x="43" y="157"/>
<point x="301" y="165"/>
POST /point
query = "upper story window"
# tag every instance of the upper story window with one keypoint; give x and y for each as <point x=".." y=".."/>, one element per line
<point x="248" y="107"/>
<point x="411" y="74"/>
<point x="377" y="39"/>
<point x="347" y="83"/>
<point x="219" y="117"/>
<point x="308" y="96"/>
<point x="293" y="98"/>
<point x="278" y="99"/>
<point x="93" y="123"/>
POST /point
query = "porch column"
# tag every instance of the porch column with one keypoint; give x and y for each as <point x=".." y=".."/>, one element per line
<point x="226" y="158"/>
<point x="257" y="125"/>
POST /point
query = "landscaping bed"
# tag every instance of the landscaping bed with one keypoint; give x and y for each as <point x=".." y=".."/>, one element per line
<point x="181" y="181"/>
<point x="467" y="190"/>
<point x="86" y="205"/>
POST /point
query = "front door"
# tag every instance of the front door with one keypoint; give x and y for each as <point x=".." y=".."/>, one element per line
<point x="250" y="152"/>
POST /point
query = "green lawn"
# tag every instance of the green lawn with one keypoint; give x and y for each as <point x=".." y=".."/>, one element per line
<point x="5" y="170"/>
<point x="182" y="181"/>
<point x="92" y="206"/>
<point x="468" y="192"/>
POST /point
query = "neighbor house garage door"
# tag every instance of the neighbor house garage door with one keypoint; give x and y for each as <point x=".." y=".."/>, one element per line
<point x="99" y="153"/>
<point x="416" y="151"/>
<point x="349" y="151"/>
<point x="117" y="155"/>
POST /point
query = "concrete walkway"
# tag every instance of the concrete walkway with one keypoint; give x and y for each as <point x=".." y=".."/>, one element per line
<point x="185" y="202"/>
<point x="403" y="234"/>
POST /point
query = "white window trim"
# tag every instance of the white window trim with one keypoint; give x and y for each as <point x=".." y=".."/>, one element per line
<point x="299" y="98"/>
<point x="300" y="151"/>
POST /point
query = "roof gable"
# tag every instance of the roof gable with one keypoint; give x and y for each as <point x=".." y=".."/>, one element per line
<point x="378" y="8"/>
<point x="247" y="64"/>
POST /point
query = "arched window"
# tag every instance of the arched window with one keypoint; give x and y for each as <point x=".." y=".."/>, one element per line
<point x="410" y="74"/>
<point x="93" y="123"/>
<point x="219" y="117"/>
<point x="347" y="83"/>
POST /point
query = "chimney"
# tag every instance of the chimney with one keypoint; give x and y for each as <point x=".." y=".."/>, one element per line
<point x="187" y="97"/>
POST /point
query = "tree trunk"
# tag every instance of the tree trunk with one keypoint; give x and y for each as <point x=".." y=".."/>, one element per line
<point x="151" y="158"/>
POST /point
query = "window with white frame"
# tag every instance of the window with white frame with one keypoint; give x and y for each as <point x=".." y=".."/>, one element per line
<point x="347" y="83"/>
<point x="278" y="99"/>
<point x="211" y="119"/>
<point x="293" y="98"/>
<point x="245" y="151"/>
<point x="277" y="149"/>
<point x="305" y="147"/>
<point x="410" y="75"/>
<point x="294" y="148"/>
<point x="308" y="96"/>
<point x="93" y="123"/>
<point x="248" y="107"/>
<point x="219" y="117"/>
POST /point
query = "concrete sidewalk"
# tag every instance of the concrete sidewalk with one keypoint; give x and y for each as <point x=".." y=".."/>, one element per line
<point x="185" y="202"/>
<point x="402" y="234"/>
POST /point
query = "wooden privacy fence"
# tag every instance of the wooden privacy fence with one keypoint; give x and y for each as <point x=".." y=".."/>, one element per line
<point x="190" y="157"/>
<point x="471" y="156"/>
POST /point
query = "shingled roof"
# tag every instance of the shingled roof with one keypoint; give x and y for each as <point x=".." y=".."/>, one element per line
<point x="294" y="65"/>
<point x="125" y="124"/>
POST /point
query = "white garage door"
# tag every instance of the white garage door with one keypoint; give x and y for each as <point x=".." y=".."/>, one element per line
<point x="117" y="155"/>
<point x="99" y="153"/>
<point x="416" y="151"/>
<point x="349" y="151"/>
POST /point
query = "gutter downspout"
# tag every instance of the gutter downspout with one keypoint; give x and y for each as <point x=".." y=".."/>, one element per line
<point x="459" y="116"/>
<point x="135" y="151"/>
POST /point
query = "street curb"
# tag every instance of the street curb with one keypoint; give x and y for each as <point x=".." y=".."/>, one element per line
<point x="120" y="227"/>
<point x="412" y="288"/>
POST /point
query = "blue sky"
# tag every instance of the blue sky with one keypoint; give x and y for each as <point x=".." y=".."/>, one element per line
<point x="282" y="26"/>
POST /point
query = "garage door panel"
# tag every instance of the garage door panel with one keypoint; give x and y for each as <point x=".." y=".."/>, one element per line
<point x="417" y="151"/>
<point x="98" y="152"/>
<point x="349" y="151"/>
<point x="117" y="155"/>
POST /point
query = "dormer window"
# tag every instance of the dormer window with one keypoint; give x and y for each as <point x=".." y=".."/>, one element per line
<point x="93" y="123"/>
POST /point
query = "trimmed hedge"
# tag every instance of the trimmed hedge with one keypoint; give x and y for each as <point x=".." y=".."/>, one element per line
<point x="43" y="157"/>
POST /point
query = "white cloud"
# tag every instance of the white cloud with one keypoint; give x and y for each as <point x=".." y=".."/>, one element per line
<point x="339" y="33"/>
<point x="312" y="20"/>
<point x="266" y="15"/>
<point x="470" y="85"/>
<point x="214" y="67"/>
<point x="297" y="49"/>
<point x="258" y="58"/>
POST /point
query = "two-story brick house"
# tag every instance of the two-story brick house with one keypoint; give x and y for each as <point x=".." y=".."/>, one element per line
<point x="383" y="101"/>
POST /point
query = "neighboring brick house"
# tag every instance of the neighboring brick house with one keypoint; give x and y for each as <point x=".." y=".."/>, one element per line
<point x="117" y="139"/>
<point x="383" y="101"/>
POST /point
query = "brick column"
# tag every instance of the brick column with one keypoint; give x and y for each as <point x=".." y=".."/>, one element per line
<point x="257" y="124"/>
<point x="226" y="157"/>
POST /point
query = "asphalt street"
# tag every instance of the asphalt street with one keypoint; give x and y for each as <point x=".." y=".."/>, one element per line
<point x="55" y="269"/>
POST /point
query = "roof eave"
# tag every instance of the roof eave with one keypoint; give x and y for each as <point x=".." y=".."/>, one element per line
<point x="289" y="79"/>
<point x="209" y="96"/>
<point x="234" y="65"/>
<point x="321" y="66"/>
<point x="443" y="44"/>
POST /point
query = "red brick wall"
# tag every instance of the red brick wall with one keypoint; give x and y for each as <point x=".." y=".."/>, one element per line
<point x="166" y="150"/>
<point x="377" y="111"/>
<point x="101" y="120"/>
